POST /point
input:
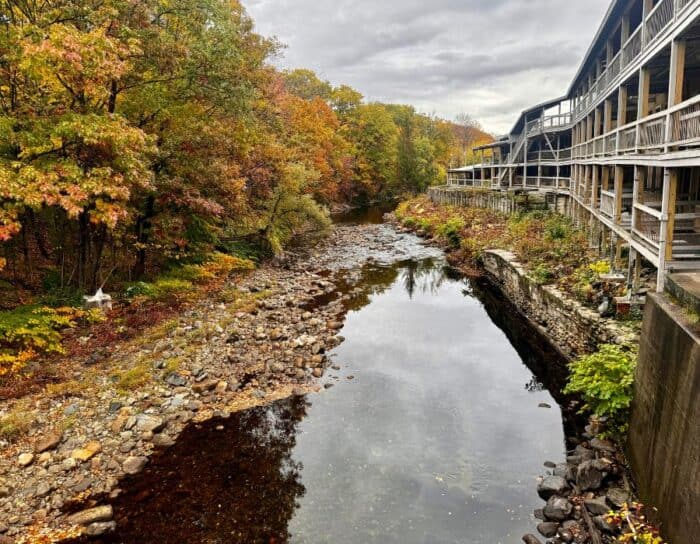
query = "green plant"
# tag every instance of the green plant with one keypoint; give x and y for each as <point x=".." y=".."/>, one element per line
<point x="133" y="378"/>
<point x="600" y="268"/>
<point x="451" y="230"/>
<point x="15" y="423"/>
<point x="605" y="381"/>
<point x="542" y="274"/>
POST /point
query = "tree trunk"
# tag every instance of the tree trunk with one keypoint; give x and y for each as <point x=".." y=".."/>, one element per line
<point x="83" y="243"/>
<point x="143" y="231"/>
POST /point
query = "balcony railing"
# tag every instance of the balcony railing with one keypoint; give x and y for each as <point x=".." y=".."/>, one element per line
<point x="659" y="18"/>
<point x="675" y="127"/>
<point x="686" y="124"/>
<point x="646" y="34"/>
<point x="648" y="227"/>
<point x="607" y="204"/>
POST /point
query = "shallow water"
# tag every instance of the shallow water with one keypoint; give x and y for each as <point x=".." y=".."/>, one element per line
<point x="437" y="438"/>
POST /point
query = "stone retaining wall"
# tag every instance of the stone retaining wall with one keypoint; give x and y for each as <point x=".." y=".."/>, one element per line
<point x="573" y="328"/>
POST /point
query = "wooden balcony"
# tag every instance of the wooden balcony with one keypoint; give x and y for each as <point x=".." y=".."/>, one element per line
<point x="675" y="128"/>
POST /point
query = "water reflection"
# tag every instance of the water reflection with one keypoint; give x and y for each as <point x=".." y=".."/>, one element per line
<point x="435" y="440"/>
<point x="236" y="484"/>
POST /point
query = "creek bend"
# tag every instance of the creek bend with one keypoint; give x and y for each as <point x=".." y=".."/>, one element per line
<point x="434" y="431"/>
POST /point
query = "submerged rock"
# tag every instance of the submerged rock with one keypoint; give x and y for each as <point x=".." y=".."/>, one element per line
<point x="548" y="529"/>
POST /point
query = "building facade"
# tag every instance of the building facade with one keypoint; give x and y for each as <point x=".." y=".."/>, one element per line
<point x="624" y="143"/>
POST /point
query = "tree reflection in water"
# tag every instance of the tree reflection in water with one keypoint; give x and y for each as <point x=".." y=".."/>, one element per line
<point x="239" y="484"/>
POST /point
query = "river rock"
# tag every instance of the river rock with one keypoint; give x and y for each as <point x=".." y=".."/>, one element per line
<point x="87" y="452"/>
<point x="203" y="387"/>
<point x="42" y="489"/>
<point x="162" y="440"/>
<point x="149" y="423"/>
<point x="616" y="497"/>
<point x="176" y="380"/>
<point x="48" y="442"/>
<point x="25" y="459"/>
<point x="597" y="506"/>
<point x="588" y="477"/>
<point x="317" y="373"/>
<point x="531" y="539"/>
<point x="134" y="465"/>
<point x="100" y="528"/>
<point x="92" y="515"/>
<point x="552" y="485"/>
<point x="277" y="368"/>
<point x="604" y="446"/>
<point x="548" y="529"/>
<point x="602" y="524"/>
<point x="557" y="509"/>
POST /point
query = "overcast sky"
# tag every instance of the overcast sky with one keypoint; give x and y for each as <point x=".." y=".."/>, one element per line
<point x="490" y="58"/>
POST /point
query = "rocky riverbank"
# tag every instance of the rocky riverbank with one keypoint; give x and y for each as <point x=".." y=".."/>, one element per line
<point x="262" y="339"/>
<point x="581" y="493"/>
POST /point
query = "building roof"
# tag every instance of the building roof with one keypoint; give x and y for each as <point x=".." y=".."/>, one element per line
<point x="606" y="27"/>
<point x="519" y="124"/>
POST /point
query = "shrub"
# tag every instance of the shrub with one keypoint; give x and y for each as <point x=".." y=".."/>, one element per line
<point x="451" y="230"/>
<point x="605" y="381"/>
<point x="15" y="424"/>
<point x="542" y="274"/>
<point x="28" y="331"/>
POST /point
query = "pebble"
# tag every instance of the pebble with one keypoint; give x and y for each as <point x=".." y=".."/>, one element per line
<point x="25" y="459"/>
<point x="48" y="442"/>
<point x="134" y="465"/>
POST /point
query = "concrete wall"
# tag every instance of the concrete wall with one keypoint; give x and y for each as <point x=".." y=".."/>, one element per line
<point x="664" y="438"/>
<point x="572" y="327"/>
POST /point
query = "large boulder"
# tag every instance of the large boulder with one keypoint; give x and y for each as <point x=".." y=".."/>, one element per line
<point x="552" y="485"/>
<point x="557" y="509"/>
<point x="588" y="476"/>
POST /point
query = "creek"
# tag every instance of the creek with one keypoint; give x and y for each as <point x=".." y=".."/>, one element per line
<point x="433" y="428"/>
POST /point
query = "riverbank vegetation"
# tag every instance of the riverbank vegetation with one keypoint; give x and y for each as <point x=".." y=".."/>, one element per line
<point x="136" y="138"/>
<point x="604" y="380"/>
<point x="550" y="247"/>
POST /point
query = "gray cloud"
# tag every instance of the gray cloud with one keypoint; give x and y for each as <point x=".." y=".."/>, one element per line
<point x="491" y="58"/>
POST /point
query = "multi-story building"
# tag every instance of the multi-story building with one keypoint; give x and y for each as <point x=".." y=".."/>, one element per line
<point x="624" y="143"/>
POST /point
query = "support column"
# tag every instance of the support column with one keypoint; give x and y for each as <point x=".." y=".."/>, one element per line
<point x="644" y="84"/>
<point x="607" y="116"/>
<point x="640" y="174"/>
<point x="594" y="186"/>
<point x="675" y="83"/>
<point x="622" y="98"/>
<point x="668" y="216"/>
<point x="677" y="73"/>
<point x="619" y="184"/>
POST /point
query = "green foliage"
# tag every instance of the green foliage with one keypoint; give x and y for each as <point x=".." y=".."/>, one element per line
<point x="605" y="381"/>
<point x="34" y="328"/>
<point x="542" y="274"/>
<point x="15" y="424"/>
<point x="451" y="230"/>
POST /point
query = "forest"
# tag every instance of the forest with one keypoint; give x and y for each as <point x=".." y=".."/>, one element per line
<point x="135" y="135"/>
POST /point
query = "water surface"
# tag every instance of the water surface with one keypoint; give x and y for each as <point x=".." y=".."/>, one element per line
<point x="437" y="438"/>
